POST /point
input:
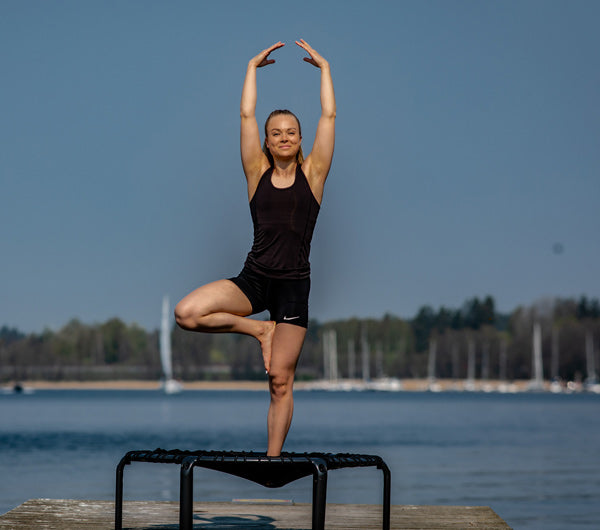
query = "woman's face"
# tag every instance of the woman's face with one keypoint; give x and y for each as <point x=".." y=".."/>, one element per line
<point x="283" y="136"/>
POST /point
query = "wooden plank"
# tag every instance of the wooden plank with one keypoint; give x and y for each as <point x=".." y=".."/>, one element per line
<point x="47" y="514"/>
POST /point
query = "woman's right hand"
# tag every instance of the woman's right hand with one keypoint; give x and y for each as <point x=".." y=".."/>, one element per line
<point x="262" y="58"/>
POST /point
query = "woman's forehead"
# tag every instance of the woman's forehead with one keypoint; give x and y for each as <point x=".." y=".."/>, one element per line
<point x="282" y="121"/>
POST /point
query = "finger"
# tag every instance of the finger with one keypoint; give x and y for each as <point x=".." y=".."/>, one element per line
<point x="304" y="45"/>
<point x="275" y="46"/>
<point x="265" y="62"/>
<point x="315" y="58"/>
<point x="265" y="53"/>
<point x="311" y="61"/>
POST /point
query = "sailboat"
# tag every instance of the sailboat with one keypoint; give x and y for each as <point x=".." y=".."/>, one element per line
<point x="169" y="385"/>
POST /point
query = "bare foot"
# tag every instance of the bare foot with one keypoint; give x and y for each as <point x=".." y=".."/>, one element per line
<point x="266" y="340"/>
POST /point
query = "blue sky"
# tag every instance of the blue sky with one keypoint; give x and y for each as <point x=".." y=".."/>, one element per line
<point x="468" y="137"/>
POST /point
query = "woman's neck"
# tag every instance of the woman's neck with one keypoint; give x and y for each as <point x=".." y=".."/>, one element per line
<point x="284" y="168"/>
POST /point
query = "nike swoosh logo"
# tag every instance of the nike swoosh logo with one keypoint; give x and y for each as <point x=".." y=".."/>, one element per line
<point x="291" y="318"/>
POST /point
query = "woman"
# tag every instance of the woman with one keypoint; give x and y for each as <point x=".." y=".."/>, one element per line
<point x="284" y="191"/>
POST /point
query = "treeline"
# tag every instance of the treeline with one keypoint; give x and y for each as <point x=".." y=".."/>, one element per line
<point x="474" y="340"/>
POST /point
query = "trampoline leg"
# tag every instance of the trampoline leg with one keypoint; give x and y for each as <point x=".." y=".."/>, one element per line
<point x="319" y="502"/>
<point x="387" y="487"/>
<point x="119" y="494"/>
<point x="186" y="494"/>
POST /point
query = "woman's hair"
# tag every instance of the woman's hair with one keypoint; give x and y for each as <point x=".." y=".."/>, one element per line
<point x="278" y="112"/>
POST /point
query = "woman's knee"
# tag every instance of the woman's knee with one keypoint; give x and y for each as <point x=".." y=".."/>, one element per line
<point x="281" y="383"/>
<point x="187" y="314"/>
<point x="181" y="315"/>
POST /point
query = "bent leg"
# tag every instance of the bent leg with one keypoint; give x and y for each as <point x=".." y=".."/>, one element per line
<point x="286" y="347"/>
<point x="221" y="307"/>
<point x="205" y="308"/>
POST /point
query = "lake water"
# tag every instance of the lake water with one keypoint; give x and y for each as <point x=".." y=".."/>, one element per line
<point x="534" y="458"/>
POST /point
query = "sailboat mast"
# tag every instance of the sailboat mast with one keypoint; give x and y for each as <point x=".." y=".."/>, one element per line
<point x="538" y="377"/>
<point x="165" y="340"/>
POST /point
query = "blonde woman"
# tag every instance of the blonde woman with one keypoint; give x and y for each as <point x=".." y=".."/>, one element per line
<point x="285" y="191"/>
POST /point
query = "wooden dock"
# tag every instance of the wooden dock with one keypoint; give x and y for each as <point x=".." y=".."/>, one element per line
<point x="47" y="514"/>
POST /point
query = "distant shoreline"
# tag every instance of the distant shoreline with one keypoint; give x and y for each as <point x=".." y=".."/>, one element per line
<point x="408" y="385"/>
<point x="143" y="385"/>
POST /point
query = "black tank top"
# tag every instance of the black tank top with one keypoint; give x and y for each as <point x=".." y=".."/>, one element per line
<point x="284" y="220"/>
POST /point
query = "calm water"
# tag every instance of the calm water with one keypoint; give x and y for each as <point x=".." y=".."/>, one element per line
<point x="534" y="458"/>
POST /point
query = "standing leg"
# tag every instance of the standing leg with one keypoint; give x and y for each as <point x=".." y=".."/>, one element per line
<point x="286" y="347"/>
<point x="221" y="307"/>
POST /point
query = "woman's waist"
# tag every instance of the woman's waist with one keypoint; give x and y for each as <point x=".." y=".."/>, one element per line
<point x="277" y="266"/>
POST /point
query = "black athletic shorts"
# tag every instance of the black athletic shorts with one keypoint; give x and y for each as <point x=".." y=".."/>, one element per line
<point x="286" y="300"/>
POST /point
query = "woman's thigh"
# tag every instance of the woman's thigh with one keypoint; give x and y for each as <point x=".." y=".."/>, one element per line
<point x="287" y="345"/>
<point x="222" y="296"/>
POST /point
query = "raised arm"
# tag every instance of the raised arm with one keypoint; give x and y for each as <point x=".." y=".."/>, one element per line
<point x="254" y="160"/>
<point x="317" y="163"/>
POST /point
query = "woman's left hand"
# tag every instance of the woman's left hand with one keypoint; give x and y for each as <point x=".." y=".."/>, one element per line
<point x="315" y="59"/>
